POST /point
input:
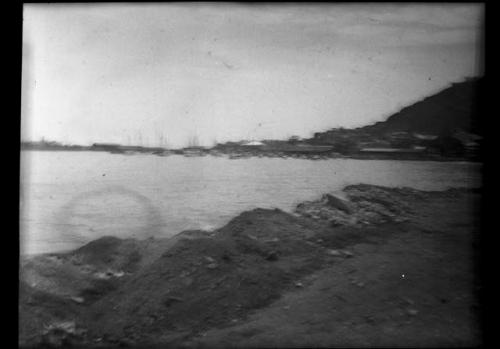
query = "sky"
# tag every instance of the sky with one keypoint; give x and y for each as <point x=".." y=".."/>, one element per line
<point x="164" y="74"/>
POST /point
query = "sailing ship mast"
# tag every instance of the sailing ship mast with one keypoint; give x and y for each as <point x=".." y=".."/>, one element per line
<point x="138" y="137"/>
<point x="162" y="140"/>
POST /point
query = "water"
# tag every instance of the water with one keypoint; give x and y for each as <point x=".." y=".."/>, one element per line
<point x="70" y="198"/>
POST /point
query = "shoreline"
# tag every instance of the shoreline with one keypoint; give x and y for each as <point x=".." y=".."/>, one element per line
<point x="313" y="157"/>
<point x="199" y="283"/>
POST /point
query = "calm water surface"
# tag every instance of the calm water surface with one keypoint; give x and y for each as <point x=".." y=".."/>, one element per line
<point x="70" y="198"/>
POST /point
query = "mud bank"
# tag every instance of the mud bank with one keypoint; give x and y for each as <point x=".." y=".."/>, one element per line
<point x="372" y="266"/>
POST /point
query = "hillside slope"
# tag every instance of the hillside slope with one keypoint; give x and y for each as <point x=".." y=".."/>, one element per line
<point x="456" y="107"/>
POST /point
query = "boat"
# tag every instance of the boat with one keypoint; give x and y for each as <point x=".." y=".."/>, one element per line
<point x="239" y="156"/>
<point x="192" y="152"/>
<point x="162" y="152"/>
<point x="117" y="151"/>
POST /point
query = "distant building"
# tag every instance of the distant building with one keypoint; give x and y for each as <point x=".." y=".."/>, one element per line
<point x="252" y="143"/>
<point x="392" y="153"/>
<point x="391" y="150"/>
<point x="375" y="144"/>
<point x="471" y="143"/>
<point x="306" y="148"/>
<point x="425" y="137"/>
<point x="105" y="146"/>
<point x="468" y="139"/>
<point x="298" y="148"/>
<point x="194" y="151"/>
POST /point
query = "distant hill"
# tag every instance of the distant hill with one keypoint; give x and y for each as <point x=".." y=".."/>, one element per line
<point x="456" y="107"/>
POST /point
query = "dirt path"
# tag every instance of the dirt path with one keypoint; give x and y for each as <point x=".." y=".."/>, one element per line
<point x="415" y="289"/>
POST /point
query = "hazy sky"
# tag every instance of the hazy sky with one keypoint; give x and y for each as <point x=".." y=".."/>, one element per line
<point x="118" y="72"/>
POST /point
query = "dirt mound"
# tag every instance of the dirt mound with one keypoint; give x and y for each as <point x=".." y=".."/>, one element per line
<point x="205" y="282"/>
<point x="90" y="270"/>
<point x="60" y="287"/>
<point x="265" y="224"/>
<point x="166" y="292"/>
<point x="37" y="309"/>
<point x="109" y="252"/>
<point x="364" y="204"/>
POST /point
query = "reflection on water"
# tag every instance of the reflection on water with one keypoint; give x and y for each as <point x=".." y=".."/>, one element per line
<point x="70" y="198"/>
